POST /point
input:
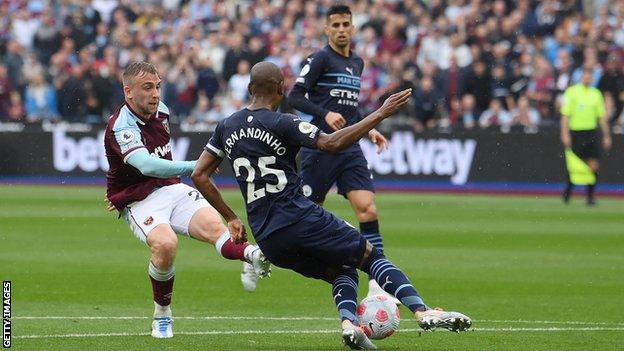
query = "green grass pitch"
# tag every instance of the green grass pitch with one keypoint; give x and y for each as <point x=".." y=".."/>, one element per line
<point x="533" y="273"/>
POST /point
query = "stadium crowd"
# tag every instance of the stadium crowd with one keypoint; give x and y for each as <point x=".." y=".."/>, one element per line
<point x="472" y="63"/>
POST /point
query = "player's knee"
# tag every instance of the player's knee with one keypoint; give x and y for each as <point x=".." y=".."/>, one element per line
<point x="165" y="248"/>
<point x="209" y="231"/>
<point x="206" y="227"/>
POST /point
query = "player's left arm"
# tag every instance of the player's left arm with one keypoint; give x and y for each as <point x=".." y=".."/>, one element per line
<point x="207" y="164"/>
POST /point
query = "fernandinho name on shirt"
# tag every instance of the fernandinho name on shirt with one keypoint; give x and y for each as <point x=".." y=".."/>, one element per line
<point x="254" y="133"/>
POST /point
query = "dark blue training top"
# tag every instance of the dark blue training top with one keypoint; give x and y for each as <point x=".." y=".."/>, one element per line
<point x="332" y="83"/>
<point x="261" y="146"/>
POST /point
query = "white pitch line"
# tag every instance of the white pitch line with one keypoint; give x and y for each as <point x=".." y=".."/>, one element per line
<point x="317" y="331"/>
<point x="301" y="318"/>
<point x="554" y="329"/>
<point x="523" y="321"/>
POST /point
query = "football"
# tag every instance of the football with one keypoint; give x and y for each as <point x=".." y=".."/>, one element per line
<point x="379" y="317"/>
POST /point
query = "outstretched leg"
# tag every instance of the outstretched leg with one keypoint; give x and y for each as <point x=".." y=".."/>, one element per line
<point x="206" y="225"/>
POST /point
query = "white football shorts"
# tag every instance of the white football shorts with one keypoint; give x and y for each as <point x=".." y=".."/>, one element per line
<point x="174" y="205"/>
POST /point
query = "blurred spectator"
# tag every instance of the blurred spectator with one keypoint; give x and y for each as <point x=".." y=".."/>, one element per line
<point x="560" y="42"/>
<point x="40" y="99"/>
<point x="590" y="61"/>
<point x="518" y="82"/>
<point x="563" y="77"/>
<point x="105" y="87"/>
<point x="257" y="51"/>
<point x="24" y="27"/>
<point x="104" y="8"/>
<point x="207" y="79"/>
<point x="6" y="88"/>
<point x="234" y="55"/>
<point x="451" y="81"/>
<point x="366" y="43"/>
<point x="72" y="96"/>
<point x="101" y="40"/>
<point x="478" y="83"/>
<point x="180" y="88"/>
<point x="495" y="115"/>
<point x="468" y="115"/>
<point x="500" y="87"/>
<point x="433" y="47"/>
<point x="47" y="39"/>
<point x="16" y="112"/>
<point x="14" y="60"/>
<point x="390" y="41"/>
<point x="201" y="112"/>
<point x="371" y="87"/>
<point x="611" y="85"/>
<point x="541" y="87"/>
<point x="458" y="50"/>
<point x="525" y="116"/>
<point x="238" y="83"/>
<point x="427" y="105"/>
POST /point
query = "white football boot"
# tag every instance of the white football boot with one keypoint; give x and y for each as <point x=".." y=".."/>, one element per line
<point x="257" y="267"/>
<point x="438" y="318"/>
<point x="162" y="327"/>
<point x="249" y="278"/>
<point x="356" y="339"/>
<point x="375" y="289"/>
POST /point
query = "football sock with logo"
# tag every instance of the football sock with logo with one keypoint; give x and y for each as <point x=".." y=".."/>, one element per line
<point x="344" y="290"/>
<point x="370" y="231"/>
<point x="230" y="250"/>
<point x="162" y="284"/>
<point x="393" y="281"/>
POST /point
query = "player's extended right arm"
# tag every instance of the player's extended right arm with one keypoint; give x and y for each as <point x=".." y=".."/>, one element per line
<point x="158" y="167"/>
<point x="343" y="138"/>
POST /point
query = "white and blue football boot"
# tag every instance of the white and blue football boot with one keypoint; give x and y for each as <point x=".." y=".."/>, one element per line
<point x="162" y="327"/>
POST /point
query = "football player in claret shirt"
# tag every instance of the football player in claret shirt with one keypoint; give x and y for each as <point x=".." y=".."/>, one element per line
<point x="328" y="88"/>
<point x="293" y="231"/>
<point x="143" y="184"/>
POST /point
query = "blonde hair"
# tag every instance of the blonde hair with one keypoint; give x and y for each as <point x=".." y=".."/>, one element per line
<point x="136" y="69"/>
